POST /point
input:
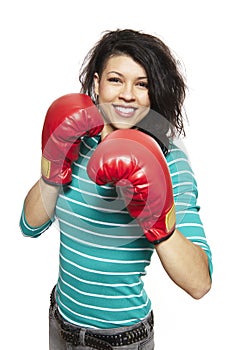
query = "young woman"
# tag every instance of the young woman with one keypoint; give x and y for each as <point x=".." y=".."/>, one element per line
<point x="117" y="133"/>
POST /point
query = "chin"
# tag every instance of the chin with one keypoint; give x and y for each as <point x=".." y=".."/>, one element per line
<point x="122" y="125"/>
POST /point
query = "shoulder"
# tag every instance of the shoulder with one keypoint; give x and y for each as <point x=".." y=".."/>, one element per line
<point x="182" y="174"/>
<point x="178" y="160"/>
<point x="177" y="155"/>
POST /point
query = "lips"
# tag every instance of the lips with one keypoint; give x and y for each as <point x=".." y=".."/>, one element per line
<point x="125" y="112"/>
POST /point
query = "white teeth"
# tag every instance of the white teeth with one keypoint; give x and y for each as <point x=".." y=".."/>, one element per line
<point x="125" y="109"/>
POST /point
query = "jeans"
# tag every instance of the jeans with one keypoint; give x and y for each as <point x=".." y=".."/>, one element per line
<point x="58" y="342"/>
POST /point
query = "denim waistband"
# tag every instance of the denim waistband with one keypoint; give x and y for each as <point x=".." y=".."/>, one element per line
<point x="101" y="339"/>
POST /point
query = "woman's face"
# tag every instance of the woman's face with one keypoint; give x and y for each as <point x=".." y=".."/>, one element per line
<point x="122" y="92"/>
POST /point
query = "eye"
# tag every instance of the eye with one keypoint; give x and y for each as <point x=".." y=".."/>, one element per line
<point x="143" y="84"/>
<point x="114" y="80"/>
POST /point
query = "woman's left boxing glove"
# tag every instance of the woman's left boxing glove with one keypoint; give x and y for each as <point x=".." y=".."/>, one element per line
<point x="135" y="163"/>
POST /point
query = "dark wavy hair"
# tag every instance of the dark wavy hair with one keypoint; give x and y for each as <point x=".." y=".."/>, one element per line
<point x="167" y="88"/>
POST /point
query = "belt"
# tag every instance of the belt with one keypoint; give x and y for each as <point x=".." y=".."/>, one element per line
<point x="99" y="341"/>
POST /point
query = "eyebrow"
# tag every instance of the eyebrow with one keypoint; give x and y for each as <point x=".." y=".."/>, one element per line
<point x="122" y="74"/>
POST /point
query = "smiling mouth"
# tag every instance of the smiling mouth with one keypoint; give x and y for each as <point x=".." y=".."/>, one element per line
<point x="126" y="112"/>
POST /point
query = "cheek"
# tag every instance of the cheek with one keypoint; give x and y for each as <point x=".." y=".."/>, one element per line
<point x="144" y="98"/>
<point x="106" y="94"/>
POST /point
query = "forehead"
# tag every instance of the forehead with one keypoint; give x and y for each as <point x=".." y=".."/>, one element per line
<point x="124" y="64"/>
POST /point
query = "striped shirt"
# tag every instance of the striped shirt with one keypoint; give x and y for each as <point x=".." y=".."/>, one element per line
<point x="103" y="252"/>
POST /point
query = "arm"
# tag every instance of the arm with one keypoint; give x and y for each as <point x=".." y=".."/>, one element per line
<point x="186" y="257"/>
<point x="40" y="203"/>
<point x="68" y="119"/>
<point x="186" y="263"/>
<point x="129" y="155"/>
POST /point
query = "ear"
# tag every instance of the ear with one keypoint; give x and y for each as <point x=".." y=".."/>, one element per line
<point x="96" y="83"/>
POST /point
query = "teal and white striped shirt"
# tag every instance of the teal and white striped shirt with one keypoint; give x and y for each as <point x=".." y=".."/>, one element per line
<point x="103" y="252"/>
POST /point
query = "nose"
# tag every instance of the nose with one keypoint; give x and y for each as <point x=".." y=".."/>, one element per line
<point x="127" y="92"/>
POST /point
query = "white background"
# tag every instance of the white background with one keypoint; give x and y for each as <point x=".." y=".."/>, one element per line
<point x="42" y="46"/>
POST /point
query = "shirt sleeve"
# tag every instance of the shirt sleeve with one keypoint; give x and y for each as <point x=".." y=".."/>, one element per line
<point x="32" y="231"/>
<point x="185" y="193"/>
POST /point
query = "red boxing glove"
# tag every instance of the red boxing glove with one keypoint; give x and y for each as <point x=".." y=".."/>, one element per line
<point x="134" y="161"/>
<point x="68" y="119"/>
